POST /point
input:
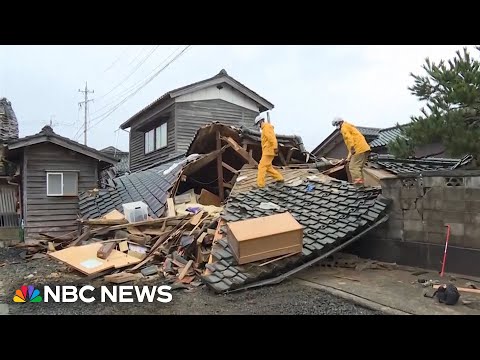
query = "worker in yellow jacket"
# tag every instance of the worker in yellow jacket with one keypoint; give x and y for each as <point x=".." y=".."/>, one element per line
<point x="269" y="151"/>
<point x="358" y="149"/>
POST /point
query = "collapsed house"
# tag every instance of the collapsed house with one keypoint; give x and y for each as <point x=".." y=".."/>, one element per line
<point x="190" y="202"/>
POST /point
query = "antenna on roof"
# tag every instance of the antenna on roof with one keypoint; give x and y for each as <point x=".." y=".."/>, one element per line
<point x="52" y="123"/>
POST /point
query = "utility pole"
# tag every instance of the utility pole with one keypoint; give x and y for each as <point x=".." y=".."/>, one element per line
<point x="85" y="102"/>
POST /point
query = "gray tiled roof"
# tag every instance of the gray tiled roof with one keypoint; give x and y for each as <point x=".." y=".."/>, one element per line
<point x="151" y="186"/>
<point x="368" y="131"/>
<point x="332" y="213"/>
<point x="122" y="166"/>
<point x="414" y="166"/>
<point x="385" y="136"/>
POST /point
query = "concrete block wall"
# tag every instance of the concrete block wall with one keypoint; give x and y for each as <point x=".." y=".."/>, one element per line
<point x="423" y="206"/>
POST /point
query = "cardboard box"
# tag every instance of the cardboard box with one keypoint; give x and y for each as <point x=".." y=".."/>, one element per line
<point x="265" y="237"/>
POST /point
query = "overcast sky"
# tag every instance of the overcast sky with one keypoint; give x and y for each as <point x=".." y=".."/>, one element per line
<point x="309" y="85"/>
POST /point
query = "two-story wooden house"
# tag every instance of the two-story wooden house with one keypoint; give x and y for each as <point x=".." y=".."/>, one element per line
<point x="165" y="128"/>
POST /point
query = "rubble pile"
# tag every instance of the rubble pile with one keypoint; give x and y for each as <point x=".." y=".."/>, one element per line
<point x="199" y="218"/>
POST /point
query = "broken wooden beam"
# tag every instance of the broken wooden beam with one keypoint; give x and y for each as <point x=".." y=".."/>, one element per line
<point x="220" y="168"/>
<point x="229" y="168"/>
<point x="185" y="270"/>
<point x="171" y="208"/>
<point x="104" y="221"/>
<point x="139" y="239"/>
<point x="122" y="277"/>
<point x="84" y="236"/>
<point x="240" y="151"/>
<point x="139" y="223"/>
<point x="106" y="250"/>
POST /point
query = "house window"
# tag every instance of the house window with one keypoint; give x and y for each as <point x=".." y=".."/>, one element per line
<point x="156" y="138"/>
<point x="149" y="141"/>
<point x="62" y="183"/>
<point x="161" y="136"/>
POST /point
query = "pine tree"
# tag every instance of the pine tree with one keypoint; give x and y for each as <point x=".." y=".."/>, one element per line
<point x="452" y="94"/>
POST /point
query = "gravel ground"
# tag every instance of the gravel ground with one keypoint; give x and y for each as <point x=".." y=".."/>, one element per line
<point x="288" y="298"/>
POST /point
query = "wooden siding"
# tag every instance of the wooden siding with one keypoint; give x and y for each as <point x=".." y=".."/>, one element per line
<point x="138" y="158"/>
<point x="190" y="116"/>
<point x="54" y="215"/>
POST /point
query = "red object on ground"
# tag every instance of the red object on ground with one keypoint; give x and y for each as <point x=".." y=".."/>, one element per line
<point x="445" y="251"/>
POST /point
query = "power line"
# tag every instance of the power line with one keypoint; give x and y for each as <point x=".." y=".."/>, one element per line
<point x="85" y="102"/>
<point x="108" y="113"/>
<point x="126" y="91"/>
<point x="116" y="60"/>
<point x="133" y="72"/>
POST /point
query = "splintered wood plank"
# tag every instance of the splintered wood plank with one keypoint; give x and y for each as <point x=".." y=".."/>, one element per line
<point x="229" y="168"/>
<point x="114" y="215"/>
<point x="220" y="168"/>
<point x="106" y="250"/>
<point x="134" y="230"/>
<point x="196" y="218"/>
<point x="185" y="270"/>
<point x="141" y="240"/>
<point x="155" y="232"/>
<point x="84" y="259"/>
<point x="105" y="221"/>
<point x="84" y="236"/>
<point x="140" y="223"/>
<point x="122" y="277"/>
<point x="171" y="208"/>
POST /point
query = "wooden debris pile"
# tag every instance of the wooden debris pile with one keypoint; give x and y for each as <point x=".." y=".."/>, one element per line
<point x="175" y="248"/>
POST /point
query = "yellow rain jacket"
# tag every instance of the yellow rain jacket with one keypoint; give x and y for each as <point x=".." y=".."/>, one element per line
<point x="354" y="138"/>
<point x="269" y="140"/>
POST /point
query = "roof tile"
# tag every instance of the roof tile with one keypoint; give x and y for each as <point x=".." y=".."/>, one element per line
<point x="324" y="231"/>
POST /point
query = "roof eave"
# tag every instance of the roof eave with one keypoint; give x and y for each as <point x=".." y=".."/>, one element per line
<point x="132" y="119"/>
<point x="263" y="103"/>
<point x="55" y="139"/>
<point x="267" y="105"/>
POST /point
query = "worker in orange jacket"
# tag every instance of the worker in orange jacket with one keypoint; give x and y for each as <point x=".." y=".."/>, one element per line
<point x="358" y="149"/>
<point x="269" y="151"/>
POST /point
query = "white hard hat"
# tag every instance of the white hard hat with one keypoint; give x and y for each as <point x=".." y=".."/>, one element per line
<point x="259" y="118"/>
<point x="336" y="121"/>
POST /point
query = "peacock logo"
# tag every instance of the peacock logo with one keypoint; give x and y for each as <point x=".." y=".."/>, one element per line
<point x="27" y="294"/>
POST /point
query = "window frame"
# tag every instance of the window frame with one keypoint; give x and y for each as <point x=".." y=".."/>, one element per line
<point x="61" y="173"/>
<point x="156" y="139"/>
<point x="160" y="136"/>
<point x="146" y="142"/>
